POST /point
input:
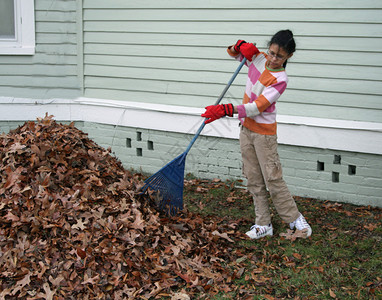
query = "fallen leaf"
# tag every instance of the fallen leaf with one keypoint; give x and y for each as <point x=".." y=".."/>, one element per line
<point x="296" y="255"/>
<point x="371" y="227"/>
<point x="80" y="224"/>
<point x="294" y="234"/>
<point x="81" y="253"/>
<point x="48" y="292"/>
<point x="11" y="217"/>
<point x="56" y="281"/>
<point x="180" y="296"/>
<point x="16" y="147"/>
<point x="88" y="280"/>
<point x="222" y="235"/>
<point x="21" y="284"/>
<point x="332" y="294"/>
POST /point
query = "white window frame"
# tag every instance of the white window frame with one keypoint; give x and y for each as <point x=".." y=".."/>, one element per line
<point x="24" y="42"/>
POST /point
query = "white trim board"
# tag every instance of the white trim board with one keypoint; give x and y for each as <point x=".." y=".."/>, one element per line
<point x="364" y="137"/>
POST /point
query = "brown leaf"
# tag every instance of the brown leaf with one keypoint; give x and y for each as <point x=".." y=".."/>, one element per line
<point x="56" y="281"/>
<point x="139" y="222"/>
<point x="371" y="227"/>
<point x="332" y="294"/>
<point x="81" y="253"/>
<point x="180" y="296"/>
<point x="80" y="224"/>
<point x="21" y="284"/>
<point x="11" y="217"/>
<point x="93" y="280"/>
<point x="231" y="199"/>
<point x="200" y="189"/>
<point x="48" y="295"/>
<point x="240" y="272"/>
<point x="176" y="250"/>
<point x="296" y="255"/>
<point x="12" y="176"/>
<point x="294" y="234"/>
<point x="319" y="269"/>
<point x="222" y="235"/>
<point x="16" y="147"/>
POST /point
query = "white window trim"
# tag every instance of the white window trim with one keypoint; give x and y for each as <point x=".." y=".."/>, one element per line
<point x="25" y="31"/>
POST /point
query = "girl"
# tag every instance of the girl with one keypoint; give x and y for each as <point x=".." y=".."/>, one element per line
<point x="266" y="82"/>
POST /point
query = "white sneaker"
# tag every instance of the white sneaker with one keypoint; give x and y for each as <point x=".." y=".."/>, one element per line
<point x="258" y="231"/>
<point x="300" y="224"/>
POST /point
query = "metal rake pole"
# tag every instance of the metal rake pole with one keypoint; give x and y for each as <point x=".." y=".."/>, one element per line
<point x="216" y="103"/>
<point x="168" y="181"/>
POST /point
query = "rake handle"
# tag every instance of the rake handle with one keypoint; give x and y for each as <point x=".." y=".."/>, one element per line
<point x="216" y="103"/>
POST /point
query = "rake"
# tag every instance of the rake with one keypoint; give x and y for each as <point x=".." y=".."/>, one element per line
<point x="167" y="183"/>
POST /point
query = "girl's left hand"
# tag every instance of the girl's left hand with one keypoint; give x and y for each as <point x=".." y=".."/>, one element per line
<point x="214" y="112"/>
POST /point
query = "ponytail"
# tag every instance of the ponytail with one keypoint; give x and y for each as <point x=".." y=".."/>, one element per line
<point x="284" y="39"/>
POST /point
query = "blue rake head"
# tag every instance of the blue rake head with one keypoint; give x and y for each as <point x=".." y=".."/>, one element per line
<point x="167" y="185"/>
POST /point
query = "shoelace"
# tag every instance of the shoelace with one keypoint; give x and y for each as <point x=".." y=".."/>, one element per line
<point x="301" y="222"/>
<point x="260" y="230"/>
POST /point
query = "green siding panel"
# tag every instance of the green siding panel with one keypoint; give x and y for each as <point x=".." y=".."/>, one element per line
<point x="202" y="4"/>
<point x="237" y="15"/>
<point x="235" y="28"/>
<point x="170" y="51"/>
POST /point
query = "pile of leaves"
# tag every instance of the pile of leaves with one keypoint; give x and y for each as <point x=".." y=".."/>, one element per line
<point x="74" y="226"/>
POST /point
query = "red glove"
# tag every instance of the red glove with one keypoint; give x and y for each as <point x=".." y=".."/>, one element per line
<point x="247" y="49"/>
<point x="214" y="112"/>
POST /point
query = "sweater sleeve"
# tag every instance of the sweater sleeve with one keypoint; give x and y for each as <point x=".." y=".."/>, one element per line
<point x="231" y="51"/>
<point x="237" y="55"/>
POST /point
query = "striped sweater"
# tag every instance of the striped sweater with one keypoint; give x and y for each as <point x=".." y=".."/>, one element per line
<point x="263" y="89"/>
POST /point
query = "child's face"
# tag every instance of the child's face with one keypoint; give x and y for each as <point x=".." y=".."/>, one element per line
<point x="276" y="56"/>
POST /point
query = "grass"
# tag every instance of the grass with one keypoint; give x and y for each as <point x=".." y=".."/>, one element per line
<point x="341" y="260"/>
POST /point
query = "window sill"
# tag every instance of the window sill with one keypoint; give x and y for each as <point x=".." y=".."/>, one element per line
<point x="17" y="50"/>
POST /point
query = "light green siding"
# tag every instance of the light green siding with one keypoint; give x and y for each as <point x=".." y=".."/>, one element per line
<point x="53" y="70"/>
<point x="173" y="52"/>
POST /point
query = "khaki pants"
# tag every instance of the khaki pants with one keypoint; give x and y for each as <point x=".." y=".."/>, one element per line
<point x="262" y="168"/>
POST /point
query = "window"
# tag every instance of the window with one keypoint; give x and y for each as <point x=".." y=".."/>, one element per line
<point x="17" y="30"/>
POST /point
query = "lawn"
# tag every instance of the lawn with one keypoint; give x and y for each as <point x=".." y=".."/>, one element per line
<point x="341" y="260"/>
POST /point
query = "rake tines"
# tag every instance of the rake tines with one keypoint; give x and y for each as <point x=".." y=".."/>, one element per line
<point x="167" y="184"/>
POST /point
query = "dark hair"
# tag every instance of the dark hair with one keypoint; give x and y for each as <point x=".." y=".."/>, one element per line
<point x="284" y="39"/>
